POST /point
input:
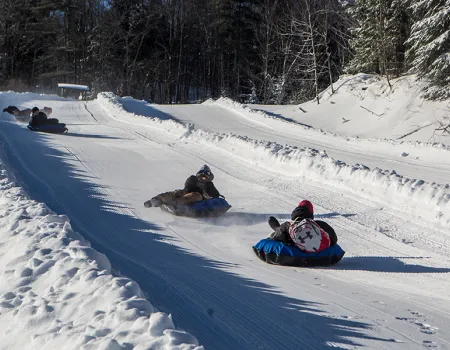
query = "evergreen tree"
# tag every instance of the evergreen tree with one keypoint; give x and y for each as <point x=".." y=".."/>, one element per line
<point x="429" y="45"/>
<point x="383" y="27"/>
<point x="13" y="45"/>
<point x="237" y="35"/>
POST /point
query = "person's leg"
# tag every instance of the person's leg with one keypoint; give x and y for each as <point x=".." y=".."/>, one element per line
<point x="189" y="198"/>
<point x="24" y="113"/>
<point x="281" y="232"/>
<point x="168" y="198"/>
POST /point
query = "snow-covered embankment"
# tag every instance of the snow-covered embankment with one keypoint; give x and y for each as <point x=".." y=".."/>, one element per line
<point x="57" y="292"/>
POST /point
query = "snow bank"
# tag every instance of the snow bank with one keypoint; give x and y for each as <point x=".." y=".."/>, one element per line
<point x="27" y="97"/>
<point x="422" y="199"/>
<point x="109" y="101"/>
<point x="417" y="197"/>
<point x="260" y="116"/>
<point x="247" y="112"/>
<point x="374" y="108"/>
<point x="57" y="292"/>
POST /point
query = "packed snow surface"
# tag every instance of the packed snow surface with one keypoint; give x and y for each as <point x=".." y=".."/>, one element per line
<point x="84" y="265"/>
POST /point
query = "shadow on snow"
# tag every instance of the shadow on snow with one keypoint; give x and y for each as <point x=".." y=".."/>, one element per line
<point x="144" y="109"/>
<point x="392" y="264"/>
<point x="90" y="136"/>
<point x="279" y="116"/>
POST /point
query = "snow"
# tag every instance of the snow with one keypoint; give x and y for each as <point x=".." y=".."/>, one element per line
<point x="409" y="194"/>
<point x="57" y="292"/>
<point x="365" y="106"/>
<point x="93" y="269"/>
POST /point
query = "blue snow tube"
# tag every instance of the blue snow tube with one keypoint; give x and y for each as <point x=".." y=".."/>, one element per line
<point x="202" y="209"/>
<point x="280" y="253"/>
<point x="59" y="128"/>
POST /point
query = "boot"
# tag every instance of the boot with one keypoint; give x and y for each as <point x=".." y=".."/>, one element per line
<point x="156" y="202"/>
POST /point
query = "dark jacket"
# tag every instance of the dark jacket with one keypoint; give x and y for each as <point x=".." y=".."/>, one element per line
<point x="38" y="119"/>
<point x="192" y="184"/>
<point x="282" y="232"/>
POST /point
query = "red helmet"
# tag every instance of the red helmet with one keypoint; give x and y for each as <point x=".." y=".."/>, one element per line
<point x="307" y="204"/>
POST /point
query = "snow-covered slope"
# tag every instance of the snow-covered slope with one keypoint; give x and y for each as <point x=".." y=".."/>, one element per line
<point x="413" y="159"/>
<point x="389" y="291"/>
<point x="365" y="106"/>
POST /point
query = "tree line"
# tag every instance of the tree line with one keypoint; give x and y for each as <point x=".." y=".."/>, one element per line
<point x="265" y="51"/>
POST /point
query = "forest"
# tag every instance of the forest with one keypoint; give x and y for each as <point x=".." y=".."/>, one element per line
<point x="253" y="51"/>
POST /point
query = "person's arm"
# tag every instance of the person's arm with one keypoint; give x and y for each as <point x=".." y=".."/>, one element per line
<point x="328" y="229"/>
<point x="212" y="190"/>
<point x="281" y="233"/>
<point x="190" y="185"/>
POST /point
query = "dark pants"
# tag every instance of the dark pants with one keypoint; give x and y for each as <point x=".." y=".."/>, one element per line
<point x="179" y="197"/>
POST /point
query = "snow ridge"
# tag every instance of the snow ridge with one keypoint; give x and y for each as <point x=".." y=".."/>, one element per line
<point x="31" y="95"/>
<point x="258" y="115"/>
<point x="111" y="104"/>
<point x="415" y="196"/>
<point x="57" y="292"/>
<point x="421" y="199"/>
